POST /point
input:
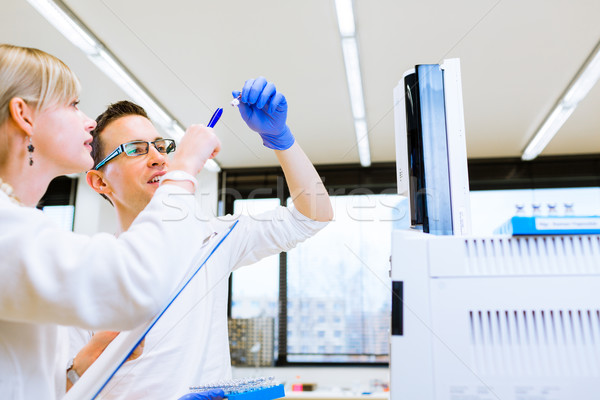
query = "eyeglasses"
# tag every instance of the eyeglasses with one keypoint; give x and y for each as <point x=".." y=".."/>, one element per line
<point x="139" y="148"/>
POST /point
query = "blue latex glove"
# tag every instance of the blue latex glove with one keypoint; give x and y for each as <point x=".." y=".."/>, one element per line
<point x="215" y="394"/>
<point x="265" y="111"/>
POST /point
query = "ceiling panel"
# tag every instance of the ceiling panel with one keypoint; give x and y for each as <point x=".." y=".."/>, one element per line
<point x="22" y="25"/>
<point x="193" y="59"/>
<point x="516" y="58"/>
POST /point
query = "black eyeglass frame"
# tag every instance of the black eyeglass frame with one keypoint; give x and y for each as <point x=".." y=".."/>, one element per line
<point x="169" y="148"/>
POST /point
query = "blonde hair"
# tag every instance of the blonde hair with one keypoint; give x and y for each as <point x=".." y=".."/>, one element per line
<point x="35" y="76"/>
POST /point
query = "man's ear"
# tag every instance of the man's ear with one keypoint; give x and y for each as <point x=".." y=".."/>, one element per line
<point x="96" y="181"/>
<point x="21" y="114"/>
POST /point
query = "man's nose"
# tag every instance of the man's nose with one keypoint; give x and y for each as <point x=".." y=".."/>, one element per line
<point x="155" y="157"/>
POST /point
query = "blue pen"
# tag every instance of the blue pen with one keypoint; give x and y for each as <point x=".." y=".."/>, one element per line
<point x="215" y="117"/>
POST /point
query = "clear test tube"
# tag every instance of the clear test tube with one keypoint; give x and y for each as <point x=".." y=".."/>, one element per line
<point x="569" y="209"/>
<point x="520" y="209"/>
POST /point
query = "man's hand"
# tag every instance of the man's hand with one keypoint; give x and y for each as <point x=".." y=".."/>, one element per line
<point x="96" y="346"/>
<point x="265" y="111"/>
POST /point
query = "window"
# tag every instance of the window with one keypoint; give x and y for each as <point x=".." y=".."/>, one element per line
<point x="341" y="276"/>
<point x="335" y="289"/>
<point x="58" y="202"/>
<point x="255" y="290"/>
<point x="336" y="308"/>
<point x="62" y="215"/>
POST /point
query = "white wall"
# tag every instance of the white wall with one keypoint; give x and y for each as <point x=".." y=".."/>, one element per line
<point x="92" y="213"/>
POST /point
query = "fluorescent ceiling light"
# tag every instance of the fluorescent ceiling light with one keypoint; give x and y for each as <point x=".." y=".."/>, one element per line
<point x="74" y="30"/>
<point x="345" y="16"/>
<point x="546" y="132"/>
<point x="64" y="22"/>
<point x="125" y="81"/>
<point x="579" y="87"/>
<point x="585" y="80"/>
<point x="350" y="51"/>
<point x="362" y="141"/>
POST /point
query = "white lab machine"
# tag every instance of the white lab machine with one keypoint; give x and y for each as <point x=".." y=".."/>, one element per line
<point x="495" y="318"/>
<point x="483" y="318"/>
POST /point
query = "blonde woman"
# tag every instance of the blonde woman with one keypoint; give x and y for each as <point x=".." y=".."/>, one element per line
<point x="49" y="277"/>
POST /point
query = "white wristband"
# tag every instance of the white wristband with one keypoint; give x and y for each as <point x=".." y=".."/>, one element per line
<point x="179" y="175"/>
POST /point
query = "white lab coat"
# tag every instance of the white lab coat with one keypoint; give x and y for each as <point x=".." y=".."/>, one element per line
<point x="49" y="277"/>
<point x="189" y="345"/>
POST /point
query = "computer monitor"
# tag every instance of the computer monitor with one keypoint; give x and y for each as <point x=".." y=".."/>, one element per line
<point x="431" y="151"/>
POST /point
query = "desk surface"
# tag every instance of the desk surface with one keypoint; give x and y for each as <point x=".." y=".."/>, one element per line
<point x="329" y="395"/>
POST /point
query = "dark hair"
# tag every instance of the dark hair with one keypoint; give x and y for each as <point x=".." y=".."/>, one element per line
<point x="112" y="113"/>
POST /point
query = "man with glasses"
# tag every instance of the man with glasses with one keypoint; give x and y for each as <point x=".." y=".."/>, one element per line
<point x="189" y="345"/>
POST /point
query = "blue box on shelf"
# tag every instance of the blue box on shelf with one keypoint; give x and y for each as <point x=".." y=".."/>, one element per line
<point x="551" y="225"/>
